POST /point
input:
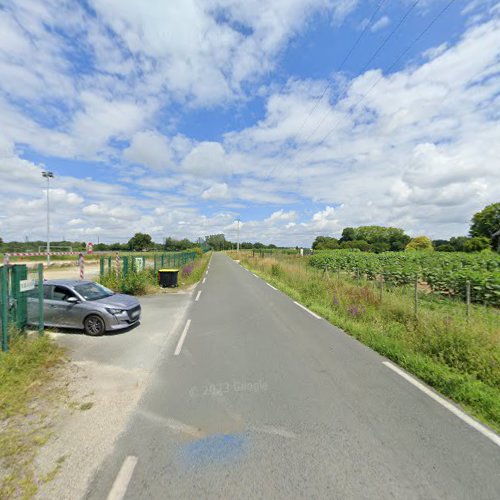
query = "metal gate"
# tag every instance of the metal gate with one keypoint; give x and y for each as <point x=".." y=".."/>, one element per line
<point x="21" y="299"/>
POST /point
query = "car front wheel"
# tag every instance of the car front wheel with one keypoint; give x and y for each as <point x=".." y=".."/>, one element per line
<point x="94" y="325"/>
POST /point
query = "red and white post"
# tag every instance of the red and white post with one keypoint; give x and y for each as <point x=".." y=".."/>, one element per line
<point x="81" y="262"/>
<point x="117" y="261"/>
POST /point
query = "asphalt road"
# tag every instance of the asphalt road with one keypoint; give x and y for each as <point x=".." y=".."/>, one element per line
<point x="264" y="400"/>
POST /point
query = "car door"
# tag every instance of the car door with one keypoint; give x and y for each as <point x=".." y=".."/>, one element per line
<point x="59" y="311"/>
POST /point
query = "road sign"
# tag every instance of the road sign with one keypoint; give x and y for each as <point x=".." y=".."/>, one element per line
<point x="90" y="247"/>
<point x="26" y="285"/>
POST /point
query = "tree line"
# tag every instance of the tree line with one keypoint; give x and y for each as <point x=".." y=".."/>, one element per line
<point x="482" y="236"/>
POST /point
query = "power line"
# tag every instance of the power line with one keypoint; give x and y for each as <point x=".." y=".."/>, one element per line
<point x="395" y="62"/>
<point x="341" y="67"/>
<point x="377" y="51"/>
<point x="372" y="58"/>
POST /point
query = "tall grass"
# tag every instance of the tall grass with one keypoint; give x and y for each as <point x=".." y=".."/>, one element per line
<point x="459" y="358"/>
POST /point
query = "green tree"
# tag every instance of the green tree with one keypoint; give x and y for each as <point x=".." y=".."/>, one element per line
<point x="139" y="242"/>
<point x="477" y="244"/>
<point x="348" y="234"/>
<point x="362" y="245"/>
<point x="486" y="222"/>
<point x="216" y="241"/>
<point x="325" y="243"/>
<point x="420" y="243"/>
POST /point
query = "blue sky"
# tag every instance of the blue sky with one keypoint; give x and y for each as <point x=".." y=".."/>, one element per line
<point x="174" y="118"/>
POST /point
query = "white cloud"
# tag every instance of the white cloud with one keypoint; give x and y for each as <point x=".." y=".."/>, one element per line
<point x="380" y="24"/>
<point x="216" y="192"/>
<point x="150" y="149"/>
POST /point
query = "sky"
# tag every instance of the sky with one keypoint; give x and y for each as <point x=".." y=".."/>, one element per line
<point x="298" y="117"/>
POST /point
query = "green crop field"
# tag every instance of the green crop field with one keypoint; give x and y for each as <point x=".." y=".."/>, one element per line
<point x="446" y="274"/>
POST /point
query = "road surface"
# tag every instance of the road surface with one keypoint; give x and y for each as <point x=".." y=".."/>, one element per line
<point x="258" y="398"/>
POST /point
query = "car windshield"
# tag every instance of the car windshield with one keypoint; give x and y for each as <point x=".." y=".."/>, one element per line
<point x="93" y="291"/>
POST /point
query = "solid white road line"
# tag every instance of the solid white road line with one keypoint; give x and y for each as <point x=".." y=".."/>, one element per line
<point x="271" y="286"/>
<point x="198" y="296"/>
<point x="124" y="476"/>
<point x="183" y="337"/>
<point x="204" y="279"/>
<point x="308" y="310"/>
<point x="254" y="275"/>
<point x="459" y="413"/>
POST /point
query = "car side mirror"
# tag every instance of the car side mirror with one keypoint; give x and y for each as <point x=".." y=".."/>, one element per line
<point x="72" y="300"/>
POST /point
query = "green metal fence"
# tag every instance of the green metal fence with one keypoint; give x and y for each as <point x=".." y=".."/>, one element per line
<point x="134" y="263"/>
<point x="21" y="299"/>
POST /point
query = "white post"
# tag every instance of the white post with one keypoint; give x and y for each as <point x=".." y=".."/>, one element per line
<point x="238" y="240"/>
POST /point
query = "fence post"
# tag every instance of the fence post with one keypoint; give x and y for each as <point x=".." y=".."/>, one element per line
<point x="19" y="272"/>
<point x="101" y="267"/>
<point x="109" y="264"/>
<point x="125" y="265"/>
<point x="5" y="308"/>
<point x="467" y="299"/>
<point x="416" y="295"/>
<point x="162" y="261"/>
<point x="154" y="264"/>
<point x="132" y="263"/>
<point x="41" y="319"/>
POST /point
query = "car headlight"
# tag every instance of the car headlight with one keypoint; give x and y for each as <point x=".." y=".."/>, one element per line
<point x="114" y="311"/>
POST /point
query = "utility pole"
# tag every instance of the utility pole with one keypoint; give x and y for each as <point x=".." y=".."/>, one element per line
<point x="48" y="175"/>
<point x="238" y="237"/>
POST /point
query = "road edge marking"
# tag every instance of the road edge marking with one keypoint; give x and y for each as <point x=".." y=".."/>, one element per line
<point x="123" y="478"/>
<point x="182" y="338"/>
<point x="307" y="310"/>
<point x="204" y="279"/>
<point x="269" y="284"/>
<point x="198" y="296"/>
<point x="492" y="436"/>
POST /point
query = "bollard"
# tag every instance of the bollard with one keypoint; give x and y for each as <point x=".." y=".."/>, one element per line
<point x="117" y="265"/>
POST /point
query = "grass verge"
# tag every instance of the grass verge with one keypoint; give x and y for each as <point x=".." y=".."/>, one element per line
<point x="26" y="394"/>
<point x="458" y="358"/>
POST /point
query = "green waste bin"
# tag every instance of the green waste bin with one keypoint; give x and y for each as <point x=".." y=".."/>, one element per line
<point x="168" y="278"/>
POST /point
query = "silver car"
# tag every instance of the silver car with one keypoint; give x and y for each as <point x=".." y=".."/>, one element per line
<point x="84" y="305"/>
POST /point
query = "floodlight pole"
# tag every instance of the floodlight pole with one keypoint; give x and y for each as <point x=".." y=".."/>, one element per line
<point x="48" y="175"/>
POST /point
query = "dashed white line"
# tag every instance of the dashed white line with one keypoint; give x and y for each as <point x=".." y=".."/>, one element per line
<point x="459" y="413"/>
<point x="198" y="296"/>
<point x="204" y="279"/>
<point x="307" y="310"/>
<point x="268" y="284"/>
<point x="254" y="275"/>
<point x="120" y="485"/>
<point x="182" y="338"/>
